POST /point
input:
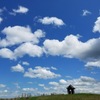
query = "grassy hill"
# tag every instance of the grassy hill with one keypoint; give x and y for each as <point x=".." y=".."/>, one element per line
<point x="66" y="97"/>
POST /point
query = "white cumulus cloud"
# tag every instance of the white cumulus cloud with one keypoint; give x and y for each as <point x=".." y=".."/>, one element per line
<point x="6" y="53"/>
<point x="28" y="49"/>
<point x="83" y="84"/>
<point x="17" y="68"/>
<point x="41" y="85"/>
<point x="51" y="20"/>
<point x="54" y="83"/>
<point x="21" y="9"/>
<point x="22" y="50"/>
<point x="72" y="47"/>
<point x="25" y="63"/>
<point x="93" y="64"/>
<point x="87" y="79"/>
<point x="40" y="72"/>
<point x="20" y="34"/>
<point x="62" y="81"/>
<point x="96" y="27"/>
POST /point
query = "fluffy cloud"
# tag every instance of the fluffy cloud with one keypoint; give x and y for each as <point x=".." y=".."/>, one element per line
<point x="25" y="63"/>
<point x="53" y="47"/>
<point x="24" y="39"/>
<point x="19" y="34"/>
<point x="1" y="19"/>
<point x="40" y="72"/>
<point x="29" y="49"/>
<point x="6" y="53"/>
<point x="41" y="85"/>
<point x="24" y="49"/>
<point x="88" y="51"/>
<point x="54" y="83"/>
<point x="56" y="47"/>
<point x="62" y="81"/>
<point x="83" y="84"/>
<point x="51" y="20"/>
<point x="72" y="47"/>
<point x="96" y="27"/>
<point x="86" y="13"/>
<point x="17" y="68"/>
<point x="87" y="79"/>
<point x="93" y="64"/>
<point x="21" y="9"/>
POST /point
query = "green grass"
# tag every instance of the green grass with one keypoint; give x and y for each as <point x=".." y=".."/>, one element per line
<point x="62" y="97"/>
<point x="66" y="97"/>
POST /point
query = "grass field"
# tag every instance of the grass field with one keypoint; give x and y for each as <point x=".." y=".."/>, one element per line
<point x="66" y="97"/>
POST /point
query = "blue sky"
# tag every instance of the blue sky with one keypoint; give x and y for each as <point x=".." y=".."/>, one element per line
<point x="47" y="45"/>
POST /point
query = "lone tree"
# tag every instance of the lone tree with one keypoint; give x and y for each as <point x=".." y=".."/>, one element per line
<point x="70" y="89"/>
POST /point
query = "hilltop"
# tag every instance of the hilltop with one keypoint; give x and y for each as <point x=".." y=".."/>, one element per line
<point x="66" y="97"/>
